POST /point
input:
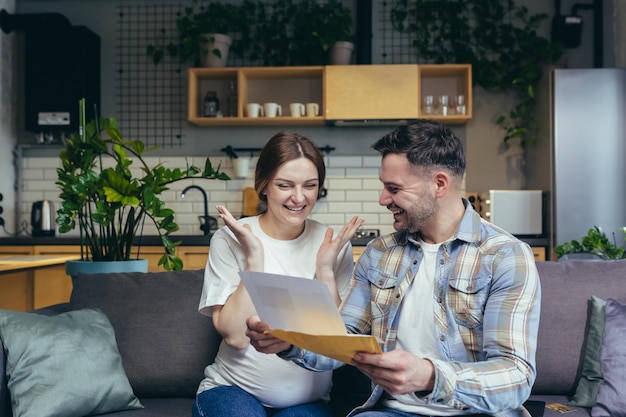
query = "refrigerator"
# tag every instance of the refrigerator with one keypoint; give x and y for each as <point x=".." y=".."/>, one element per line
<point x="582" y="164"/>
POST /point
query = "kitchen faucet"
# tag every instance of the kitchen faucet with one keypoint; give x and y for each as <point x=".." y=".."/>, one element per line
<point x="206" y="222"/>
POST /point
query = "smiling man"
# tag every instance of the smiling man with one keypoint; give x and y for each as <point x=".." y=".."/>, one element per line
<point x="453" y="299"/>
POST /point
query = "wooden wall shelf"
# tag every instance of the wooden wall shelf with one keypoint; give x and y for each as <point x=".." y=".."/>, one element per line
<point x="343" y="92"/>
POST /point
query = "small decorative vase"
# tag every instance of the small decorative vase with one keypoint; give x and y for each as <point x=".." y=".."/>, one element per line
<point x="222" y="44"/>
<point x="341" y="53"/>
<point x="72" y="268"/>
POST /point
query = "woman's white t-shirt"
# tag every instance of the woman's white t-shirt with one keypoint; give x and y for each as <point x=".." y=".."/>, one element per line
<point x="273" y="381"/>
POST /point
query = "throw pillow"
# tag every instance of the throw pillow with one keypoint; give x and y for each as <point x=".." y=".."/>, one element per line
<point x="591" y="375"/>
<point x="65" y="365"/>
<point x="611" y="401"/>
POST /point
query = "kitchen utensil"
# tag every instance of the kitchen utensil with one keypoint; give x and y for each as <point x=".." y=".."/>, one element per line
<point x="251" y="202"/>
<point x="42" y="218"/>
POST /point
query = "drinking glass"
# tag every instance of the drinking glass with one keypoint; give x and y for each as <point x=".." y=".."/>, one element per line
<point x="428" y="108"/>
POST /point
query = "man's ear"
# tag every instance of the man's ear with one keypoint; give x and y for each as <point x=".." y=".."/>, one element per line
<point x="442" y="182"/>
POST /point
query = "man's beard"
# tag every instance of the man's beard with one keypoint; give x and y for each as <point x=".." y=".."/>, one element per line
<point x="419" y="216"/>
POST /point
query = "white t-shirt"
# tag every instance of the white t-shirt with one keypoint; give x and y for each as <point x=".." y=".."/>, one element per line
<point x="273" y="381"/>
<point x="416" y="331"/>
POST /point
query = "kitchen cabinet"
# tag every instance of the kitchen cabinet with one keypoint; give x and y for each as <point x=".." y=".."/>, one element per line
<point x="52" y="285"/>
<point x="539" y="252"/>
<point x="24" y="291"/>
<point x="357" y="251"/>
<point x="16" y="290"/>
<point x="346" y="93"/>
<point x="371" y="92"/>
<point x="194" y="257"/>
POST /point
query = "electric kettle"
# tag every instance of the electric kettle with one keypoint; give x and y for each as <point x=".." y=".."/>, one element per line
<point x="42" y="218"/>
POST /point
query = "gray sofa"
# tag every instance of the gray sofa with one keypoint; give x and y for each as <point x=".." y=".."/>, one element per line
<point x="165" y="344"/>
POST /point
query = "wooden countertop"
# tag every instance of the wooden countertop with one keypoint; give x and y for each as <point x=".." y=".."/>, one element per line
<point x="17" y="263"/>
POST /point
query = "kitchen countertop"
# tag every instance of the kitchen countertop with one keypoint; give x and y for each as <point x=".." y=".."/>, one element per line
<point x="188" y="240"/>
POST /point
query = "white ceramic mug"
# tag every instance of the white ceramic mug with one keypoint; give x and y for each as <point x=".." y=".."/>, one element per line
<point x="273" y="109"/>
<point x="241" y="166"/>
<point x="254" y="110"/>
<point x="312" y="109"/>
<point x="296" y="109"/>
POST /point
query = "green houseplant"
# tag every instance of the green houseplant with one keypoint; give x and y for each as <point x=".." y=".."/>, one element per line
<point x="196" y="31"/>
<point x="497" y="37"/>
<point x="109" y="204"/>
<point x="596" y="242"/>
<point x="294" y="32"/>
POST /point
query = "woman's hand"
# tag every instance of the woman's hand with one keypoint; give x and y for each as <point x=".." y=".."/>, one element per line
<point x="330" y="248"/>
<point x="328" y="252"/>
<point x="250" y="244"/>
<point x="264" y="343"/>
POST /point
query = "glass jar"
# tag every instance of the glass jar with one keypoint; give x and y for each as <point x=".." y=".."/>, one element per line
<point x="210" y="105"/>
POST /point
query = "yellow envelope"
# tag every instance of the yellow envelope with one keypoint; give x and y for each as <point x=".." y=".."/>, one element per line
<point x="301" y="311"/>
<point x="339" y="347"/>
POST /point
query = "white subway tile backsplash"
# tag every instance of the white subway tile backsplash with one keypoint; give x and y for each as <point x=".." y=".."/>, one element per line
<point x="371" y="161"/>
<point x="42" y="163"/>
<point x="334" y="220"/>
<point x="348" y="208"/>
<point x="361" y="196"/>
<point x="345" y="161"/>
<point x="362" y="172"/>
<point x="374" y="207"/>
<point x="33" y="174"/>
<point x="352" y="182"/>
<point x="335" y="173"/>
<point x="372" y="184"/>
<point x="344" y="184"/>
<point x="39" y="185"/>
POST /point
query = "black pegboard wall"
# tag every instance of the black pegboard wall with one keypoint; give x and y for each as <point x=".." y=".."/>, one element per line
<point x="394" y="47"/>
<point x="151" y="99"/>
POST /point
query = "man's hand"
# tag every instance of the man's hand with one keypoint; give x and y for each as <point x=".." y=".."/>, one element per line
<point x="264" y="343"/>
<point x="398" y="371"/>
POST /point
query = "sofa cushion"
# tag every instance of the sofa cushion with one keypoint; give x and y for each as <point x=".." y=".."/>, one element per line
<point x="65" y="365"/>
<point x="591" y="375"/>
<point x="566" y="288"/>
<point x="610" y="401"/>
<point x="164" y="342"/>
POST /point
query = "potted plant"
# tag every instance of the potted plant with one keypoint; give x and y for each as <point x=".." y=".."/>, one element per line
<point x="595" y="243"/>
<point x="334" y="32"/>
<point x="294" y="32"/>
<point x="107" y="202"/>
<point x="202" y="35"/>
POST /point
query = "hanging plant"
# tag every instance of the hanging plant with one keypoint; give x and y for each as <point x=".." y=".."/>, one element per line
<point x="497" y="37"/>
